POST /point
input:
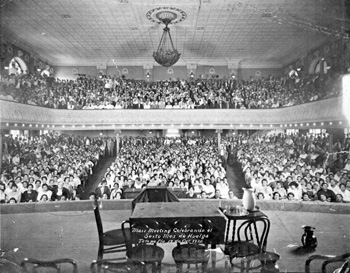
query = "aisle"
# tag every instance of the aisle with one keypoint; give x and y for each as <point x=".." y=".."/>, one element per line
<point x="235" y="178"/>
<point x="96" y="177"/>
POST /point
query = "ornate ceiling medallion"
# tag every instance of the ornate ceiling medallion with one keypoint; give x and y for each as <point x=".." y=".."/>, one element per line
<point x="158" y="15"/>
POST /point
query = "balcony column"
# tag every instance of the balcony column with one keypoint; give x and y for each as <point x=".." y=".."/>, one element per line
<point x="117" y="138"/>
<point x="219" y="131"/>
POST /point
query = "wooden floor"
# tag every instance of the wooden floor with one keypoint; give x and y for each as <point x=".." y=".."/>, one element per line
<point x="73" y="234"/>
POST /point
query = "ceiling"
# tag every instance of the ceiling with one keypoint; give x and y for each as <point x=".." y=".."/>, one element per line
<point x="255" y="33"/>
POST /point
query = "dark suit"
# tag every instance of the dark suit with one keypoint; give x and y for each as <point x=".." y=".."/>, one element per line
<point x="100" y="191"/>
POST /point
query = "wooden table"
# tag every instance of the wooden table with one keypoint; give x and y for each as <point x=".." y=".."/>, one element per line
<point x="158" y="222"/>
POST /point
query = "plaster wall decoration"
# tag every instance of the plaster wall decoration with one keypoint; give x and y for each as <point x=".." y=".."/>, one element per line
<point x="148" y="66"/>
<point x="101" y="66"/>
<point x="192" y="66"/>
<point x="258" y="73"/>
<point x="170" y="70"/>
<point x="26" y="58"/>
<point x="20" y="53"/>
<point x="212" y="71"/>
<point x="125" y="71"/>
<point x="75" y="70"/>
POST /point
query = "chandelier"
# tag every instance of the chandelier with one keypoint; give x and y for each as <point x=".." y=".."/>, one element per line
<point x="166" y="54"/>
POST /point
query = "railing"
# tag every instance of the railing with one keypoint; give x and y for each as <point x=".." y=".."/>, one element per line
<point x="320" y="111"/>
<point x="125" y="204"/>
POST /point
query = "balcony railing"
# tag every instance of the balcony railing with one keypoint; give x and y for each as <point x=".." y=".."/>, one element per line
<point x="320" y="113"/>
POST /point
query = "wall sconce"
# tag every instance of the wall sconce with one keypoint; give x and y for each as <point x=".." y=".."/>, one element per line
<point x="192" y="75"/>
<point x="147" y="75"/>
<point x="233" y="76"/>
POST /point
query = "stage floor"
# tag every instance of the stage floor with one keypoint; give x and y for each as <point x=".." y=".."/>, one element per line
<point x="73" y="234"/>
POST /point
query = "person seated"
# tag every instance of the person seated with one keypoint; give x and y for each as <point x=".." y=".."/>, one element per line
<point x="208" y="189"/>
<point x="217" y="194"/>
<point x="116" y="192"/>
<point x="2" y="193"/>
<point x="103" y="189"/>
<point x="231" y="195"/>
<point x="282" y="191"/>
<point x="276" y="196"/>
<point x="344" y="192"/>
<point x="294" y="188"/>
<point x="329" y="194"/>
<point x="14" y="193"/>
<point x="30" y="195"/>
<point x="93" y="196"/>
<point x="223" y="188"/>
<point x="306" y="197"/>
<point x="191" y="193"/>
<point x="260" y="196"/>
<point x="44" y="198"/>
<point x="60" y="193"/>
<point x="290" y="196"/>
<point x="339" y="198"/>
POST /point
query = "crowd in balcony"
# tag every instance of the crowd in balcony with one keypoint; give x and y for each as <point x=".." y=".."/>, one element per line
<point x="107" y="92"/>
<point x="192" y="164"/>
<point x="49" y="167"/>
<point x="297" y="167"/>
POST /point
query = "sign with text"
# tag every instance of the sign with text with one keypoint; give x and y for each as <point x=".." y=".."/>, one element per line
<point x="188" y="234"/>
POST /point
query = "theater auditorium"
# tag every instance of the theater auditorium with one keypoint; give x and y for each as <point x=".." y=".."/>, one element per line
<point x="175" y="136"/>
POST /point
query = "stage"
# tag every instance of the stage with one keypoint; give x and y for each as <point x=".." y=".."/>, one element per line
<point x="57" y="230"/>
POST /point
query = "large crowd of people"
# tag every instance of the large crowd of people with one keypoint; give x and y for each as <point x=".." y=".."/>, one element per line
<point x="189" y="163"/>
<point x="49" y="167"/>
<point x="118" y="93"/>
<point x="278" y="166"/>
<point x="296" y="167"/>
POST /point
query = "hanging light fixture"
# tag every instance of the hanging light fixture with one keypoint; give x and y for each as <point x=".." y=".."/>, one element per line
<point x="166" y="54"/>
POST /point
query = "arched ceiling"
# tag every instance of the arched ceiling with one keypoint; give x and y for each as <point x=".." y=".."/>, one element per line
<point x="260" y="33"/>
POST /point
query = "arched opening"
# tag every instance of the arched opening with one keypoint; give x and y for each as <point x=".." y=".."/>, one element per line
<point x="17" y="66"/>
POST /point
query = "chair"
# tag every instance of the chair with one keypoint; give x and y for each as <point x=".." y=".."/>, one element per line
<point x="192" y="253"/>
<point x="328" y="259"/>
<point x="136" y="252"/>
<point x="251" y="240"/>
<point x="29" y="265"/>
<point x="118" y="266"/>
<point x="9" y="266"/>
<point x="111" y="241"/>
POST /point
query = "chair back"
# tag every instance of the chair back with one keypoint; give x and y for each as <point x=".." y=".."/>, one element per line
<point x="29" y="265"/>
<point x="328" y="259"/>
<point x="126" y="229"/>
<point x="98" y="221"/>
<point x="9" y="266"/>
<point x="117" y="266"/>
<point x="255" y="232"/>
